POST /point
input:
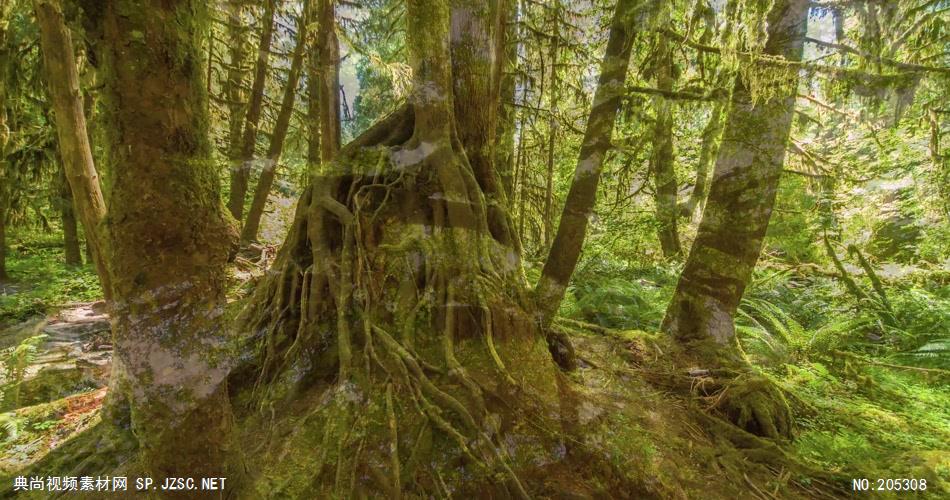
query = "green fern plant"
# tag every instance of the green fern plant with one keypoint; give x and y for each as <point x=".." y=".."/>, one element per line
<point x="935" y="353"/>
<point x="774" y="334"/>
<point x="15" y="362"/>
<point x="10" y="426"/>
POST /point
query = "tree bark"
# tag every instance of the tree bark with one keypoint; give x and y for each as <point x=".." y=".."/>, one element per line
<point x="63" y="80"/>
<point x="4" y="139"/>
<point x="741" y="197"/>
<point x="664" y="172"/>
<point x="236" y="78"/>
<point x="266" y="180"/>
<point x="169" y="238"/>
<point x="241" y="171"/>
<point x="329" y="53"/>
<point x="391" y="282"/>
<point x="72" y="254"/>
<point x="475" y="27"/>
<point x="552" y="128"/>
<point x="3" y="240"/>
<point x="314" y="84"/>
<point x="579" y="206"/>
<point x="506" y="49"/>
<point x="707" y="154"/>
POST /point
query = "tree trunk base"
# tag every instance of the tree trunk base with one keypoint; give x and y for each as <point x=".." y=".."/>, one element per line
<point x="395" y="298"/>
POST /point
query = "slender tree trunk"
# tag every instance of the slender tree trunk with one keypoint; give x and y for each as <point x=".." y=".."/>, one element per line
<point x="169" y="238"/>
<point x="210" y="64"/>
<point x="89" y="255"/>
<point x="707" y="155"/>
<point x="3" y="240"/>
<point x="314" y="84"/>
<point x="241" y="172"/>
<point x="522" y="168"/>
<point x="63" y="79"/>
<point x="939" y="160"/>
<point x="4" y="139"/>
<point x="828" y="219"/>
<point x="73" y="254"/>
<point x="579" y="206"/>
<point x="252" y="224"/>
<point x="741" y="197"/>
<point x="236" y="78"/>
<point x="664" y="171"/>
<point x="506" y="44"/>
<point x="552" y="127"/>
<point x="329" y="47"/>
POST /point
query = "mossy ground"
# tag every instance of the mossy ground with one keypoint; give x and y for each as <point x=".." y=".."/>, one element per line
<point x="887" y="425"/>
<point x="855" y="419"/>
<point x="40" y="281"/>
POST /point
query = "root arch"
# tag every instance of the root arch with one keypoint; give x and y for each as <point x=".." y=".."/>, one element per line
<point x="394" y="295"/>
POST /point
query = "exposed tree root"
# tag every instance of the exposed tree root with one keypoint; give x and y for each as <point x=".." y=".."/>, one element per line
<point x="395" y="294"/>
<point x="755" y="403"/>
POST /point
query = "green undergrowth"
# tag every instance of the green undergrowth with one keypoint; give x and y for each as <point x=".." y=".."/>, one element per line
<point x="619" y="436"/>
<point x="873" y="422"/>
<point x="28" y="434"/>
<point x="869" y="393"/>
<point x="870" y="386"/>
<point x="40" y="281"/>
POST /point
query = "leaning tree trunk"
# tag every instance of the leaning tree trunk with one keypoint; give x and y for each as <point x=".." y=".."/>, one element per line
<point x="241" y="170"/>
<point x="72" y="253"/>
<point x="729" y="239"/>
<point x="76" y="152"/>
<point x="394" y="287"/>
<point x="266" y="180"/>
<point x="742" y="194"/>
<point x="169" y="237"/>
<point x="579" y="206"/>
<point x="665" y="187"/>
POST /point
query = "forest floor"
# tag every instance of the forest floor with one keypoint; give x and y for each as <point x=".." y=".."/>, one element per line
<point x="858" y="416"/>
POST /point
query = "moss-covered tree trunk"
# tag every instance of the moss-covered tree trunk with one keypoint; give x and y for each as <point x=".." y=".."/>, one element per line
<point x="312" y="68"/>
<point x="579" y="206"/>
<point x="506" y="43"/>
<point x="665" y="187"/>
<point x="329" y="95"/>
<point x="169" y="236"/>
<point x="4" y="139"/>
<point x="3" y="237"/>
<point x="241" y="170"/>
<point x="282" y="125"/>
<point x="476" y="90"/>
<point x="73" y="139"/>
<point x="398" y="284"/>
<point x="553" y="55"/>
<point x="742" y="194"/>
<point x="707" y="155"/>
<point x="730" y="235"/>
<point x="236" y="78"/>
<point x="72" y="254"/>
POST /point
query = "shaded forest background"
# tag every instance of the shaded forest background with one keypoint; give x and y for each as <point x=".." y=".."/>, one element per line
<point x="835" y="354"/>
